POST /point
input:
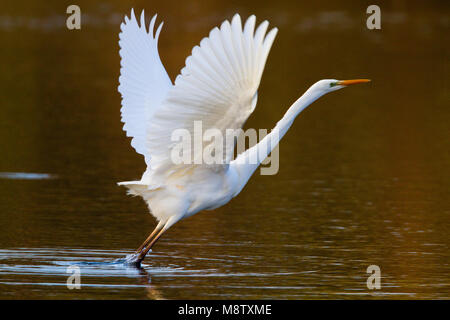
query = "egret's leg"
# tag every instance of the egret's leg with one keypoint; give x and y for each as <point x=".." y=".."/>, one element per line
<point x="149" y="238"/>
<point x="144" y="251"/>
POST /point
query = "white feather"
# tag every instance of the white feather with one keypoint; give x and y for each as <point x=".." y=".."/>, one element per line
<point x="144" y="82"/>
<point x="217" y="86"/>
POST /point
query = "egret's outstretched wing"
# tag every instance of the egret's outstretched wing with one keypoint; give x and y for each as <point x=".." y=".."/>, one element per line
<point x="144" y="82"/>
<point x="218" y="86"/>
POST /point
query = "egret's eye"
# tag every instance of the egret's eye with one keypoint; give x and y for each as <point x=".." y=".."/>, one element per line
<point x="332" y="84"/>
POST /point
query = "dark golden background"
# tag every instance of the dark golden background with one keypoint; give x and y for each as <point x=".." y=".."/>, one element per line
<point x="364" y="172"/>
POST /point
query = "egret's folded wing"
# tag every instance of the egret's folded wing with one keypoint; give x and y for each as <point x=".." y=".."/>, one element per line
<point x="218" y="86"/>
<point x="144" y="82"/>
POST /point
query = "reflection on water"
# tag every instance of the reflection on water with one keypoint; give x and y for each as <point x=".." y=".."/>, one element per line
<point x="364" y="175"/>
<point x="51" y="268"/>
<point x="25" y="175"/>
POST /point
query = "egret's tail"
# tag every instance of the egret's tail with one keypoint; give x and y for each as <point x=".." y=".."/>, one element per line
<point x="135" y="188"/>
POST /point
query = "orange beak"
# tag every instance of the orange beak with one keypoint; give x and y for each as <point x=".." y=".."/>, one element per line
<point x="354" y="81"/>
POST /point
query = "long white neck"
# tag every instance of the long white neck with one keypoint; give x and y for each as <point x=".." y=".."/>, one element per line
<point x="245" y="163"/>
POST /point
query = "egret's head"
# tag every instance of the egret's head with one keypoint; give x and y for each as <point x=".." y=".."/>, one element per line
<point x="328" y="85"/>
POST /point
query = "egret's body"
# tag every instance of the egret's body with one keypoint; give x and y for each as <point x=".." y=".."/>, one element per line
<point x="218" y="86"/>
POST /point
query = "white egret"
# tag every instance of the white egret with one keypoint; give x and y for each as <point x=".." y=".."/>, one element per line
<point x="218" y="86"/>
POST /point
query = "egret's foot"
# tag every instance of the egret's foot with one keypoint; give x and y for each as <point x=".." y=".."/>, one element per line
<point x="132" y="260"/>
